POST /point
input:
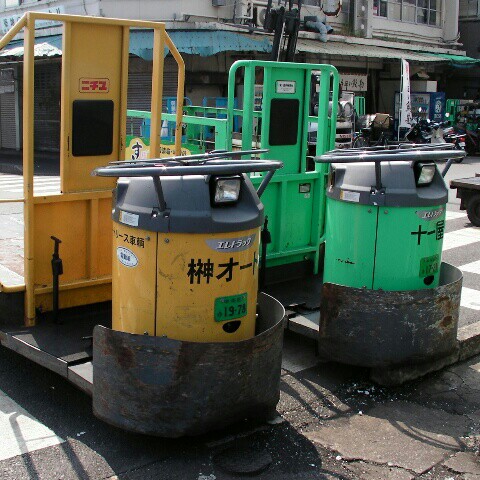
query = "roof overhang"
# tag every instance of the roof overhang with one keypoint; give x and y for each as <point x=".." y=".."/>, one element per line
<point x="50" y="46"/>
<point x="210" y="42"/>
<point x="192" y="42"/>
<point x="366" y="51"/>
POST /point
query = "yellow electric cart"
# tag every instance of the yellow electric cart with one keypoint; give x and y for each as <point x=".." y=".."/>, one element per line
<point x="183" y="353"/>
<point x="186" y="237"/>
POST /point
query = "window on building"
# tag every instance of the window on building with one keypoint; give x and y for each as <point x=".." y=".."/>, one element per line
<point x="319" y="3"/>
<point x="426" y="12"/>
<point x="12" y="3"/>
<point x="469" y="8"/>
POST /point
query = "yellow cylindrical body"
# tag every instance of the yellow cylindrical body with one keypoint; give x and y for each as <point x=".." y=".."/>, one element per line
<point x="191" y="287"/>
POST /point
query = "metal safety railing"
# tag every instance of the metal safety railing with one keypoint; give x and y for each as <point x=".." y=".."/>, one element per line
<point x="219" y="126"/>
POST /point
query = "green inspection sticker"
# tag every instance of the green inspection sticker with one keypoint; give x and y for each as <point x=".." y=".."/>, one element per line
<point x="229" y="308"/>
<point x="429" y="265"/>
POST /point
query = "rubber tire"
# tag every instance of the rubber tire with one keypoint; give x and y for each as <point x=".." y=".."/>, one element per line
<point x="473" y="210"/>
<point x="470" y="147"/>
<point x="360" y="142"/>
<point x="458" y="160"/>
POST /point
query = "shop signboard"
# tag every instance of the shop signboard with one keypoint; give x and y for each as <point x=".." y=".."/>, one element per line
<point x="8" y="21"/>
<point x="354" y="82"/>
<point x="138" y="148"/>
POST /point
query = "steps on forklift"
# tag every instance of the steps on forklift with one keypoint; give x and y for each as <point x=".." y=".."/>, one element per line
<point x="306" y="325"/>
<point x="301" y="299"/>
<point x="65" y="349"/>
<point x="82" y="376"/>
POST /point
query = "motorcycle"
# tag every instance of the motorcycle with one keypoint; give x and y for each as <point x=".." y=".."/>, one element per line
<point x="426" y="131"/>
<point x="472" y="140"/>
<point x="468" y="124"/>
<point x="458" y="139"/>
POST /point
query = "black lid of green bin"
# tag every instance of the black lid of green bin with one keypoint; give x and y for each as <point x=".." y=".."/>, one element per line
<point x="354" y="182"/>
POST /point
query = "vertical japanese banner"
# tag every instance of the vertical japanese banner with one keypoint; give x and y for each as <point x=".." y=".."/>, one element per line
<point x="406" y="106"/>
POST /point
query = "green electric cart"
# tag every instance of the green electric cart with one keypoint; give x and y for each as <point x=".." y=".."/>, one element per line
<point x="398" y="226"/>
<point x="387" y="298"/>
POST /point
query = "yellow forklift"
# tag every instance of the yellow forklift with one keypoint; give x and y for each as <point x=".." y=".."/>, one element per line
<point x="188" y="344"/>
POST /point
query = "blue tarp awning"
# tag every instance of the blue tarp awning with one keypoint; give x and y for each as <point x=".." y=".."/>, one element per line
<point x="192" y="42"/>
<point x="50" y="46"/>
<point x="199" y="42"/>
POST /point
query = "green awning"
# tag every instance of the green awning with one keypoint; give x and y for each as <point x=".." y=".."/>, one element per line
<point x="459" y="61"/>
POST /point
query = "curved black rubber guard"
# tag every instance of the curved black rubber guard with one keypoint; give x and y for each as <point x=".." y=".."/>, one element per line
<point x="170" y="388"/>
<point x="378" y="328"/>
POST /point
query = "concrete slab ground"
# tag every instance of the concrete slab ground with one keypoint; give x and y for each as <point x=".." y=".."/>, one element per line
<point x="429" y="428"/>
<point x="424" y="434"/>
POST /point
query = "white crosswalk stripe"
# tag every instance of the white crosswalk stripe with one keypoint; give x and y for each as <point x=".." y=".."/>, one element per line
<point x="460" y="238"/>
<point x="38" y="189"/>
<point x="470" y="298"/>
<point x="450" y="215"/>
<point x="473" y="267"/>
<point x="41" y="185"/>
<point x="20" y="432"/>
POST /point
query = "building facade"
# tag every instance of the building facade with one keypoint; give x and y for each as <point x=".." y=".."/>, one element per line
<point x="368" y="40"/>
<point x="469" y="85"/>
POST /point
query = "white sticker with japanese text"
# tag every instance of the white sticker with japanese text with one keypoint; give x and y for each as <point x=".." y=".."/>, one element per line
<point x="286" y="86"/>
<point x="350" y="196"/>
<point x="128" y="218"/>
<point x="127" y="257"/>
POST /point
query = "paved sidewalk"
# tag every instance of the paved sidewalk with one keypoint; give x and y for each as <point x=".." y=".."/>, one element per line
<point x="338" y="424"/>
<point x="427" y="429"/>
<point x="334" y="423"/>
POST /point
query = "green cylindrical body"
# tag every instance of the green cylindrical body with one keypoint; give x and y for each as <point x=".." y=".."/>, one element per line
<point x="394" y="249"/>
<point x="391" y="241"/>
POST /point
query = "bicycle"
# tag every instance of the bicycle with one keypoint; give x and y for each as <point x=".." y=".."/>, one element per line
<point x="376" y="134"/>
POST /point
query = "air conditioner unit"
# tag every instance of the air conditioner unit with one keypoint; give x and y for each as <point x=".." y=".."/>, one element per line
<point x="259" y="12"/>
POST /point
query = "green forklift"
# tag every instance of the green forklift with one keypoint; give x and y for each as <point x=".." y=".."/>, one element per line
<point x="352" y="239"/>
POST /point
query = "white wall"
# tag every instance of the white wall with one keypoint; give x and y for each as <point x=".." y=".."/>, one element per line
<point x="451" y="14"/>
<point x="447" y="32"/>
<point x="202" y="10"/>
<point x="132" y="9"/>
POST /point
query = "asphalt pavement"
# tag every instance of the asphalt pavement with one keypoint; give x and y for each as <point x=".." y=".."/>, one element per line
<point x="45" y="163"/>
<point x="333" y="422"/>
